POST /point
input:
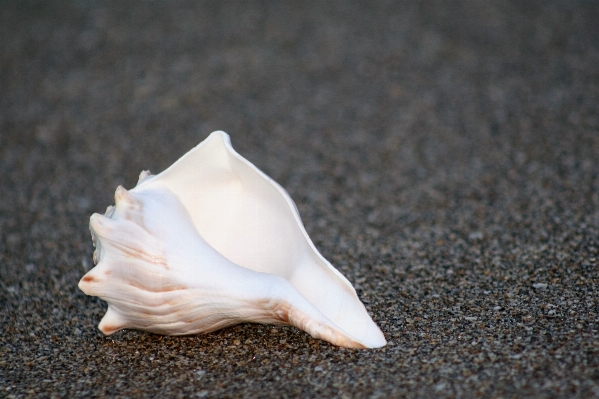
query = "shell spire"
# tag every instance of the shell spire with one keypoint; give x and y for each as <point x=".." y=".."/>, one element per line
<point x="212" y="242"/>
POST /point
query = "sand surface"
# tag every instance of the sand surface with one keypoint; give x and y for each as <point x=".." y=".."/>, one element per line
<point x="444" y="156"/>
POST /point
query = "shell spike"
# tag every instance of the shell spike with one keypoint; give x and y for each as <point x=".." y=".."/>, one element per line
<point x="93" y="281"/>
<point x="109" y="211"/>
<point x="112" y="322"/>
<point x="101" y="226"/>
<point x="143" y="176"/>
<point x="122" y="196"/>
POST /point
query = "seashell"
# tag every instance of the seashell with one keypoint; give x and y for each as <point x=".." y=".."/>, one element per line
<point x="211" y="242"/>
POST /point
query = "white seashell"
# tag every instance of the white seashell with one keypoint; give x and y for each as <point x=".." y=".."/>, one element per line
<point x="211" y="242"/>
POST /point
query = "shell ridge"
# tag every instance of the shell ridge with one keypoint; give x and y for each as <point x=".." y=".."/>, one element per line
<point x="128" y="237"/>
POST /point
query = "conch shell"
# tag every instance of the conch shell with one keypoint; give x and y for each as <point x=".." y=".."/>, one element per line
<point x="211" y="242"/>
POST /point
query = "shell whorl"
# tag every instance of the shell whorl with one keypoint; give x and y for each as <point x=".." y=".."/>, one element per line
<point x="127" y="257"/>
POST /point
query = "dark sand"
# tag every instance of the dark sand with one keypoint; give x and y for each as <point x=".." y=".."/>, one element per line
<point x="444" y="155"/>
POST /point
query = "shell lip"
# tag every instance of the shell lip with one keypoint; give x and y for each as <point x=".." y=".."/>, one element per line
<point x="226" y="140"/>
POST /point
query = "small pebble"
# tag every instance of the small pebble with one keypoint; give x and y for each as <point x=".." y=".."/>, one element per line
<point x="476" y="235"/>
